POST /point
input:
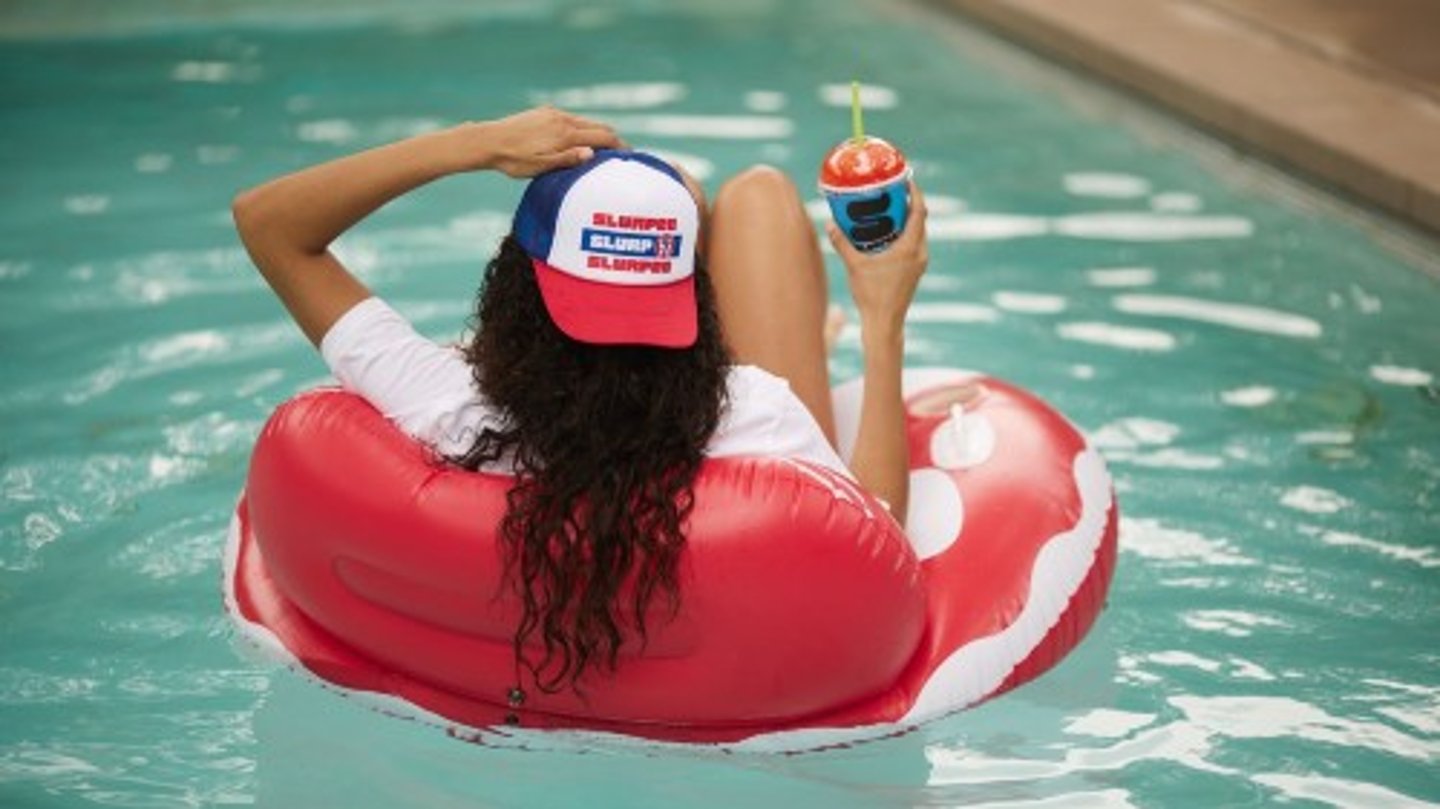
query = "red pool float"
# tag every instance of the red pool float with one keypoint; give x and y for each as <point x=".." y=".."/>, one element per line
<point x="808" y="617"/>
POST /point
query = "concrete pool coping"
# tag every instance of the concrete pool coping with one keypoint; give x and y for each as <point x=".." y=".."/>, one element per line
<point x="1244" y="71"/>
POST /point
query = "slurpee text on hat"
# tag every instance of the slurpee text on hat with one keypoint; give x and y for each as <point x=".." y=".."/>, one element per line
<point x="612" y="242"/>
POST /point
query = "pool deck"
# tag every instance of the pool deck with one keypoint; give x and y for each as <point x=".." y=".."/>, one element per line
<point x="1345" y="92"/>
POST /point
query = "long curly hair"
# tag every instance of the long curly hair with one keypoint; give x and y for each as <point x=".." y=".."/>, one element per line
<point x="605" y="442"/>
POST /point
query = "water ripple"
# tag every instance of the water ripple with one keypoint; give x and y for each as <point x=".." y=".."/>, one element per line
<point x="133" y="769"/>
<point x="336" y="131"/>
<point x="1158" y="542"/>
<point x="695" y="165"/>
<point x="22" y="686"/>
<point x="159" y="277"/>
<point x="1237" y="316"/>
<point x="1144" y="442"/>
<point x="214" y="72"/>
<point x="44" y="501"/>
<point x="1249" y="396"/>
<point x="1231" y="623"/>
<point x="613" y="96"/>
<point x="951" y="312"/>
<point x="1253" y="717"/>
<point x="1148" y="226"/>
<point x="711" y="127"/>
<point x="1338" y="792"/>
<point x="872" y="96"/>
<point x="1108" y="723"/>
<point x="1134" y="432"/>
<point x="1421" y="556"/>
<point x="1176" y="202"/>
<point x="1116" y="336"/>
<point x="765" y="101"/>
<point x="1178" y="742"/>
<point x="1193" y="742"/>
<point x="178" y="353"/>
<point x="1121" y="276"/>
<point x="1114" y="798"/>
<point x="1031" y="303"/>
<point x="1399" y="375"/>
<point x="1314" y="500"/>
<point x="184" y="549"/>
<point x="1108" y="185"/>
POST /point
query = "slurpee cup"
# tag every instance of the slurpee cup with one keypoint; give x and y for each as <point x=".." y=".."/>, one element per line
<point x="865" y="181"/>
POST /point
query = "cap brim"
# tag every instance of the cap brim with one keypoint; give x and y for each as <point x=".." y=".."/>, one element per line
<point x="610" y="314"/>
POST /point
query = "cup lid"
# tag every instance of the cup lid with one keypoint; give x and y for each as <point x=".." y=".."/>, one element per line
<point x="869" y="162"/>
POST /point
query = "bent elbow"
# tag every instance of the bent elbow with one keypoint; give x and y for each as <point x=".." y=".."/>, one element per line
<point x="244" y="210"/>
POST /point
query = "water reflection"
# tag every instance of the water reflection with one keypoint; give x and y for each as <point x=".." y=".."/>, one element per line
<point x="1113" y="335"/>
<point x="1238" y="316"/>
<point x="1106" y="185"/>
<point x="613" y="96"/>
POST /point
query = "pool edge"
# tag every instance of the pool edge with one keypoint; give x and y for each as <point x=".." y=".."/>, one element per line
<point x="1311" y="114"/>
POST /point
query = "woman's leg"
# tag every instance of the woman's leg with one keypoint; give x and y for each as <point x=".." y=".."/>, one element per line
<point x="764" y="260"/>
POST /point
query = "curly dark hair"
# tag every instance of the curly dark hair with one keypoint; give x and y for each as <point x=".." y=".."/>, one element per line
<point x="605" y="442"/>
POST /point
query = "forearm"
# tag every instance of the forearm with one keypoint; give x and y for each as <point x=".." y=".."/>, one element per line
<point x="883" y="284"/>
<point x="287" y="224"/>
<point x="881" y="459"/>
<point x="302" y="213"/>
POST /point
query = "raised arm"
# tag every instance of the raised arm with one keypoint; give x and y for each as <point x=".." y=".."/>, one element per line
<point x="883" y="284"/>
<point x="287" y="224"/>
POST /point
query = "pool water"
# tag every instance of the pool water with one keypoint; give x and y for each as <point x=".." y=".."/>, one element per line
<point x="1257" y="363"/>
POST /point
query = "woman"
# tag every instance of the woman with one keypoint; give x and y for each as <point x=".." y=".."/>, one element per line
<point x="624" y="334"/>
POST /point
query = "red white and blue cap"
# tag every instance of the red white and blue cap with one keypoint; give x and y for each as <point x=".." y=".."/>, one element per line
<point x="613" y="245"/>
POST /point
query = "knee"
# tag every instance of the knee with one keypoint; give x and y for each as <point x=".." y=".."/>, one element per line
<point x="759" y="183"/>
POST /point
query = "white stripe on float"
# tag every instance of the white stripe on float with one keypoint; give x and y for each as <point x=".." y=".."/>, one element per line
<point x="975" y="670"/>
<point x="258" y="634"/>
<point x="936" y="514"/>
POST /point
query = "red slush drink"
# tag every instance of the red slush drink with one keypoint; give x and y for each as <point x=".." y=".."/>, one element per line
<point x="865" y="180"/>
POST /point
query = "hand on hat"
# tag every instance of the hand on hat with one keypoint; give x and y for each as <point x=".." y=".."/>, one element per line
<point x="536" y="141"/>
<point x="884" y="283"/>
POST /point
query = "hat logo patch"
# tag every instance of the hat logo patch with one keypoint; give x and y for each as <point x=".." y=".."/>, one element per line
<point x="637" y="244"/>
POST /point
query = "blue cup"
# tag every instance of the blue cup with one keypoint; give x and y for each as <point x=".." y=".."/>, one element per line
<point x="871" y="217"/>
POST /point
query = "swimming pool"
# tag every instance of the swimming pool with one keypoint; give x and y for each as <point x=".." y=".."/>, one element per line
<point x="1257" y="364"/>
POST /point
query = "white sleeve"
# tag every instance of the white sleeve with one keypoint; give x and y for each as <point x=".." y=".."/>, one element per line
<point x="425" y="388"/>
<point x="765" y="417"/>
<point x="797" y="435"/>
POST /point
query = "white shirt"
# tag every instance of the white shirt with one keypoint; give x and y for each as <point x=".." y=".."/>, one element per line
<point x="428" y="391"/>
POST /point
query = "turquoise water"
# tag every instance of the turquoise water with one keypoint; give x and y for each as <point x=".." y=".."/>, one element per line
<point x="1258" y="367"/>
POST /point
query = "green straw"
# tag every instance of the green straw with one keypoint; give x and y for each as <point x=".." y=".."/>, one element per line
<point x="857" y="120"/>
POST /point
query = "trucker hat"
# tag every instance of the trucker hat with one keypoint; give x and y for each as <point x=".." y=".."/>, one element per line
<point x="612" y="241"/>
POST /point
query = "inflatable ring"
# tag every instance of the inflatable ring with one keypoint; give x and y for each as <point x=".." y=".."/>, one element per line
<point x="808" y="618"/>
